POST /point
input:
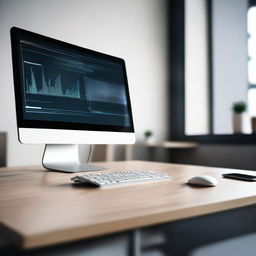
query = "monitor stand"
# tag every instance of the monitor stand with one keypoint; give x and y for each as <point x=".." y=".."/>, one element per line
<point x="65" y="158"/>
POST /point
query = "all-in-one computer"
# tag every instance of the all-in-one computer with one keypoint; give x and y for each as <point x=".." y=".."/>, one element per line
<point x="68" y="95"/>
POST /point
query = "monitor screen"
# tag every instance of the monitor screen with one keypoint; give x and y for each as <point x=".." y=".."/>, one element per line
<point x="62" y="86"/>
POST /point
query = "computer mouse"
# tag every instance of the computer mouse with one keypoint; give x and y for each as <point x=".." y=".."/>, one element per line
<point x="204" y="180"/>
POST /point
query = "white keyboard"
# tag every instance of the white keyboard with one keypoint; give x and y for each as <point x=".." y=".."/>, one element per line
<point x="121" y="177"/>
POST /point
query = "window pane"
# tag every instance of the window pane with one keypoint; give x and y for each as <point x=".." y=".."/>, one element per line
<point x="252" y="71"/>
<point x="252" y="20"/>
<point x="252" y="47"/>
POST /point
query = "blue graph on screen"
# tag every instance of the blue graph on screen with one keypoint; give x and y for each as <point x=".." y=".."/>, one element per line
<point x="51" y="87"/>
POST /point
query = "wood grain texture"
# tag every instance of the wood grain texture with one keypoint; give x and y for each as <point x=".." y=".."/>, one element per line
<point x="39" y="207"/>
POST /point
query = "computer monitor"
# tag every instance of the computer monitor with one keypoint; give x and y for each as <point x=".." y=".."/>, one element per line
<point x="67" y="95"/>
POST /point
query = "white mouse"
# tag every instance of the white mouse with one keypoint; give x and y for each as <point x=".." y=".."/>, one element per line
<point x="204" y="180"/>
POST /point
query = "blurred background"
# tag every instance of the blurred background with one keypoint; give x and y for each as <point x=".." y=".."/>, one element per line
<point x="191" y="73"/>
<point x="133" y="30"/>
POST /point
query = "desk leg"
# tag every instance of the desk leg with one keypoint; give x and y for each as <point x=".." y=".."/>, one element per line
<point x="128" y="152"/>
<point x="110" y="152"/>
<point x="135" y="243"/>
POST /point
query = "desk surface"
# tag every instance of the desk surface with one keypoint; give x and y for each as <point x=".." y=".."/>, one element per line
<point x="39" y="207"/>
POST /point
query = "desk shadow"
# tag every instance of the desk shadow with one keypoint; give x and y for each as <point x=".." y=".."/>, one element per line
<point x="83" y="185"/>
<point x="196" y="186"/>
<point x="77" y="185"/>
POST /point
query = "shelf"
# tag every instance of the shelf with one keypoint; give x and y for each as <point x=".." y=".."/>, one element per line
<point x="167" y="144"/>
<point x="163" y="144"/>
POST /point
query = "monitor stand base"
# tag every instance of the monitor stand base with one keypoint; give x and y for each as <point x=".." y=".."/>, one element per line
<point x="65" y="158"/>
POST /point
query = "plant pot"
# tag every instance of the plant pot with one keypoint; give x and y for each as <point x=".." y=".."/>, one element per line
<point x="253" y="123"/>
<point x="242" y="123"/>
<point x="149" y="140"/>
<point x="237" y="123"/>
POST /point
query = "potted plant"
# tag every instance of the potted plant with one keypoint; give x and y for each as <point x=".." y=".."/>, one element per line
<point x="148" y="134"/>
<point x="238" y="109"/>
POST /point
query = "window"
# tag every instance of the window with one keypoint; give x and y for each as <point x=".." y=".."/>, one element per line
<point x="177" y="73"/>
<point x="251" y="26"/>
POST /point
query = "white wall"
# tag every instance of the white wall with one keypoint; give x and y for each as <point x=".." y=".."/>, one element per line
<point x="196" y="68"/>
<point x="134" y="30"/>
<point x="229" y="60"/>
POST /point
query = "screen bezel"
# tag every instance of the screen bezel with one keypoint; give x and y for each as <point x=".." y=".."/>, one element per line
<point x="16" y="35"/>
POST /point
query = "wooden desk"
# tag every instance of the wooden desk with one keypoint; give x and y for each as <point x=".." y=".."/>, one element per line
<point x="39" y="208"/>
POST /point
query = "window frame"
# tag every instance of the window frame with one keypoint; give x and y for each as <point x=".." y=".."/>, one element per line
<point x="177" y="82"/>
